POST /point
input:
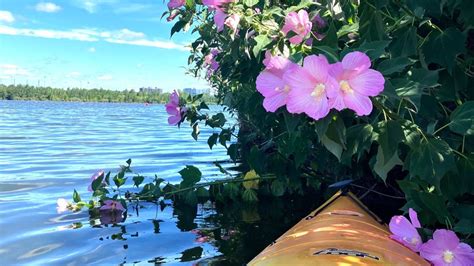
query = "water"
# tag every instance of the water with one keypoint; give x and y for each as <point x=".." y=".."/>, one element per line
<point x="47" y="149"/>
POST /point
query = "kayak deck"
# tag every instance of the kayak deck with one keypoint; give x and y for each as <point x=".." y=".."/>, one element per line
<point x="340" y="232"/>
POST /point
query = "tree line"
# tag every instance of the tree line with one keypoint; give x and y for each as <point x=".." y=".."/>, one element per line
<point x="27" y="92"/>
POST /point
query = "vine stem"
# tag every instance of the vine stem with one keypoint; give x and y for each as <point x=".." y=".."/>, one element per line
<point x="441" y="128"/>
<point x="376" y="192"/>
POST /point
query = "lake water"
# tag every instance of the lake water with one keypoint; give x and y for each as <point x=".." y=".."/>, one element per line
<point x="48" y="149"/>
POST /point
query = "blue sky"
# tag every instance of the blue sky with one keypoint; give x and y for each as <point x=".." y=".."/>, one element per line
<point x="113" y="44"/>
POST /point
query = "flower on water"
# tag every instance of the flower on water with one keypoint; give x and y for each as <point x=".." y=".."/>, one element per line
<point x="299" y="24"/>
<point x="174" y="110"/>
<point x="270" y="82"/>
<point x="112" y="205"/>
<point x="356" y="83"/>
<point x="310" y="86"/>
<point x="446" y="249"/>
<point x="405" y="231"/>
<point x="233" y="22"/>
<point x="94" y="177"/>
<point x="172" y="4"/>
<point x="63" y="205"/>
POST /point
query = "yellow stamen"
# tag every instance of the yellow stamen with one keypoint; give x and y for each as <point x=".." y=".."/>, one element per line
<point x="318" y="90"/>
<point x="345" y="87"/>
<point x="286" y="88"/>
<point x="448" y="256"/>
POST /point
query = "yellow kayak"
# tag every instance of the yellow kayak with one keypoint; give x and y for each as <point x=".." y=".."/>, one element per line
<point x="343" y="231"/>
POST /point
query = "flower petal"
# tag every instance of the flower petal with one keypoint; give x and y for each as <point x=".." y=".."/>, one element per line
<point x="272" y="103"/>
<point x="446" y="238"/>
<point x="174" y="120"/>
<point x="317" y="66"/>
<point x="368" y="83"/>
<point x="336" y="70"/>
<point x="219" y="19"/>
<point x="267" y="82"/>
<point x="431" y="251"/>
<point x="414" y="218"/>
<point x="357" y="61"/>
<point x="358" y="103"/>
<point x="299" y="100"/>
<point x="299" y="78"/>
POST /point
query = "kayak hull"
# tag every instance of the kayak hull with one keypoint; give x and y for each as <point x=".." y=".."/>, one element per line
<point x="341" y="232"/>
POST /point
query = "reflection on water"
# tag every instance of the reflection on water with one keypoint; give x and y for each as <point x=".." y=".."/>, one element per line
<point x="49" y="148"/>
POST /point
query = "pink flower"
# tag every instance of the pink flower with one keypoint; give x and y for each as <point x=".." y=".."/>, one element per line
<point x="173" y="14"/>
<point x="94" y="177"/>
<point x="357" y="82"/>
<point x="220" y="15"/>
<point x="172" y="4"/>
<point x="233" y="22"/>
<point x="299" y="24"/>
<point x="445" y="249"/>
<point x="202" y="239"/>
<point x="174" y="110"/>
<point x="310" y="86"/>
<point x="211" y="62"/>
<point x="112" y="205"/>
<point x="63" y="205"/>
<point x="270" y="82"/>
<point x="219" y="19"/>
<point x="405" y="231"/>
<point x="319" y="22"/>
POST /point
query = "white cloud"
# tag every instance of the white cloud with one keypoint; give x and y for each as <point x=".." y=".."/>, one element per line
<point x="92" y="6"/>
<point x="47" y="7"/>
<point x="105" y="77"/>
<point x="6" y="16"/>
<point x="50" y="34"/>
<point x="91" y="50"/>
<point x="122" y="36"/>
<point x="13" y="70"/>
<point x="131" y="8"/>
<point x="73" y="74"/>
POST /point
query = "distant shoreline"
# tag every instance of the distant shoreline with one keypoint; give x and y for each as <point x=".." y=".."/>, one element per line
<point x="31" y="93"/>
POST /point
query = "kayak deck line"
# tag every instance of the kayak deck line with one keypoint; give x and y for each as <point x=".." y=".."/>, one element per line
<point x="342" y="231"/>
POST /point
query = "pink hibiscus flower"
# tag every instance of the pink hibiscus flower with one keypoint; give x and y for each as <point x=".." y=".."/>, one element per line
<point x="174" y="110"/>
<point x="233" y="22"/>
<point x="270" y="82"/>
<point x="446" y="249"/>
<point x="299" y="24"/>
<point x="356" y="83"/>
<point x="172" y="4"/>
<point x="405" y="231"/>
<point x="94" y="177"/>
<point x="310" y="86"/>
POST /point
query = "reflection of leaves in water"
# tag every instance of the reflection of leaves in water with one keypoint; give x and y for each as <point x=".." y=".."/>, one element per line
<point x="191" y="254"/>
<point x="186" y="215"/>
<point x="157" y="260"/>
<point x="156" y="226"/>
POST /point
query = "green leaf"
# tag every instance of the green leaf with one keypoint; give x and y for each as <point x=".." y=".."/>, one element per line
<point x="129" y="162"/>
<point x="464" y="226"/>
<point x="430" y="160"/>
<point x="359" y="140"/>
<point x="76" y="197"/>
<point x="190" y="175"/>
<point x="212" y="140"/>
<point x="250" y="3"/>
<point x="97" y="183"/>
<point x="457" y="183"/>
<point x="119" y="179"/>
<point x="405" y="43"/>
<point x="374" y="49"/>
<point x="202" y="192"/>
<point x="250" y="196"/>
<point x="217" y="120"/>
<point x="178" y="26"/>
<point x="330" y="39"/>
<point x="371" y="25"/>
<point x="330" y="52"/>
<point x="137" y="180"/>
<point x="278" y="188"/>
<point x="395" y="65"/>
<point x="231" y="190"/>
<point x="196" y="131"/>
<point x="383" y="166"/>
<point x="335" y="137"/>
<point x="462" y="119"/>
<point x="443" y="47"/>
<point x="262" y="42"/>
<point x="436" y="204"/>
<point x="390" y="134"/>
<point x="232" y="151"/>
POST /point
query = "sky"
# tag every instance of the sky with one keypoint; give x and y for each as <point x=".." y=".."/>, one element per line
<point x="110" y="44"/>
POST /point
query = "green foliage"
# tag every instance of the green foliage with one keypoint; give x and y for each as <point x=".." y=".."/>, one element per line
<point x="190" y="175"/>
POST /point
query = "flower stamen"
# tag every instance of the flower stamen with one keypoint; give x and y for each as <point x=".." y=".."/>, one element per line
<point x="345" y="87"/>
<point x="318" y="90"/>
<point x="448" y="256"/>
